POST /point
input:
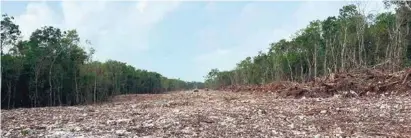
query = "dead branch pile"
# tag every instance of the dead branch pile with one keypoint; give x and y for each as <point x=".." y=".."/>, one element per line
<point x="364" y="82"/>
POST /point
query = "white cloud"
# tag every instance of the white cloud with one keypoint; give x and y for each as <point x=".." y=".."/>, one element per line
<point x="141" y="6"/>
<point x="37" y="15"/>
<point x="153" y="11"/>
<point x="108" y="25"/>
<point x="78" y="13"/>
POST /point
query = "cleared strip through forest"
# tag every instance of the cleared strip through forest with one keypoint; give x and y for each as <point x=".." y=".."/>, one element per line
<point x="215" y="114"/>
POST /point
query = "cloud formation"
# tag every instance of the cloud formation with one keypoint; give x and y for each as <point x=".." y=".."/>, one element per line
<point x="113" y="28"/>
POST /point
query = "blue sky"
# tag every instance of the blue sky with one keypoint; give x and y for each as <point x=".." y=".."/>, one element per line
<point x="177" y="39"/>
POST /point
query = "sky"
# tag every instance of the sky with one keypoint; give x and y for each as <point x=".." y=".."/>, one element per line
<point x="178" y="39"/>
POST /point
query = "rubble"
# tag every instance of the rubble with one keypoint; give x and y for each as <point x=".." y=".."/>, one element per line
<point x="216" y="114"/>
<point x="359" y="83"/>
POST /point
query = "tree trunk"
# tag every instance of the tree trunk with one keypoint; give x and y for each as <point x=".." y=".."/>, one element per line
<point x="14" y="96"/>
<point x="359" y="47"/>
<point x="309" y="67"/>
<point x="95" y="88"/>
<point x="60" y="88"/>
<point x="51" y="86"/>
<point x="334" y="56"/>
<point x="289" y="66"/>
<point x="315" y="60"/>
<point x="76" y="88"/>
<point x="301" y="70"/>
<point x="364" y="55"/>
<point x="35" y="90"/>
<point x="325" y="58"/>
<point x="377" y="57"/>
<point x="360" y="37"/>
<point x="1" y="50"/>
<point x="343" y="49"/>
<point x="8" y="94"/>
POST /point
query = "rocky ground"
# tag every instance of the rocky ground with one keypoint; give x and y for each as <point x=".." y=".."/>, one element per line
<point x="216" y="114"/>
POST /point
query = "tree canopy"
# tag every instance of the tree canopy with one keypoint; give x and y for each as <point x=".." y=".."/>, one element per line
<point x="340" y="43"/>
<point x="53" y="68"/>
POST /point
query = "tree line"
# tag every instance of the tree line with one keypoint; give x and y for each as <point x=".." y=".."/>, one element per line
<point x="53" y="68"/>
<point x="349" y="41"/>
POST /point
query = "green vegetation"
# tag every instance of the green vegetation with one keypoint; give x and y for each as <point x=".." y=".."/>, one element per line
<point x="52" y="68"/>
<point x="349" y="41"/>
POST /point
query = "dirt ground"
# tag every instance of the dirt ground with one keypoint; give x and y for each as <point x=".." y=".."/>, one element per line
<point x="216" y="114"/>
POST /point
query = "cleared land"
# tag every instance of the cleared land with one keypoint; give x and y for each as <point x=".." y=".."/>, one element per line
<point x="216" y="114"/>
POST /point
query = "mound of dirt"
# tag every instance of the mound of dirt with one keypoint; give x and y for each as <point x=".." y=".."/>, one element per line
<point x="364" y="82"/>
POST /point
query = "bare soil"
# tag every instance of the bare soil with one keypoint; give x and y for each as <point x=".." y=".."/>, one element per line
<point x="216" y="114"/>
